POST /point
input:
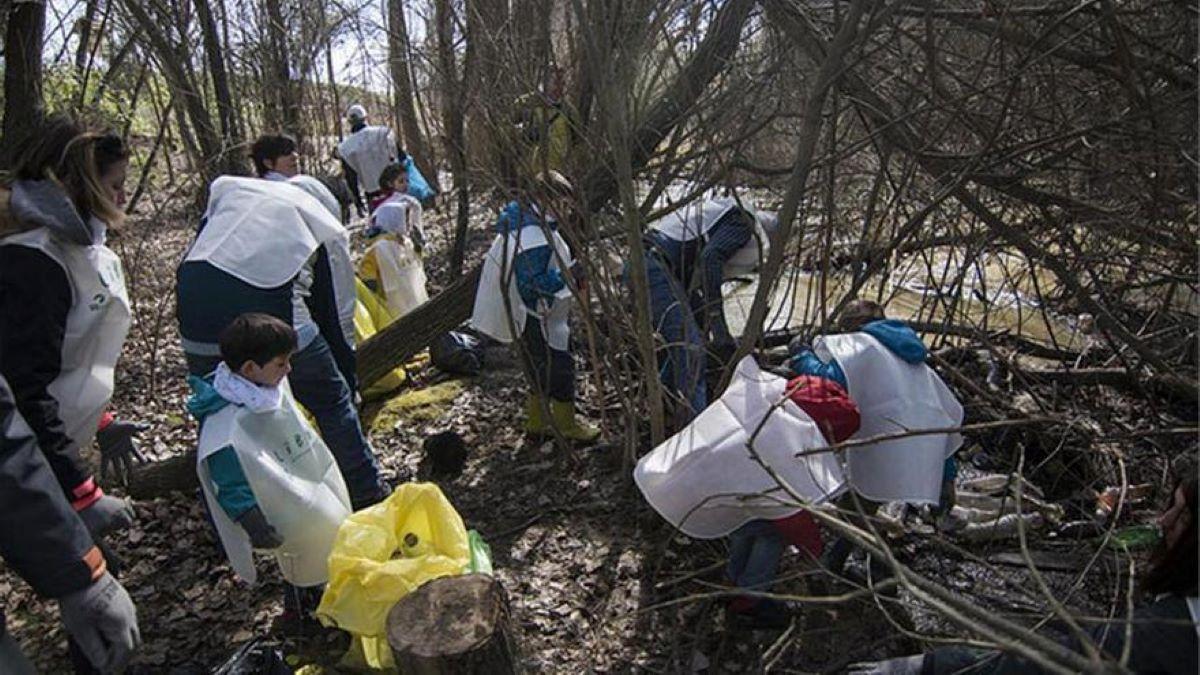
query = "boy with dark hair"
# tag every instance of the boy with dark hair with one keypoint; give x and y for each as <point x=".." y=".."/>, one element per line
<point x="269" y="480"/>
<point x="275" y="156"/>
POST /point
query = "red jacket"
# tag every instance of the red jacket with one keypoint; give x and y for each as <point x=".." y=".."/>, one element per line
<point x="836" y="414"/>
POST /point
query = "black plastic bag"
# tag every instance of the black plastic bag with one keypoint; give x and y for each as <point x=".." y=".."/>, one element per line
<point x="457" y="353"/>
<point x="256" y="657"/>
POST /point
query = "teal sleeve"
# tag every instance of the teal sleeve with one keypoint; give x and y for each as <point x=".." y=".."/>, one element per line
<point x="233" y="490"/>
<point x="808" y="363"/>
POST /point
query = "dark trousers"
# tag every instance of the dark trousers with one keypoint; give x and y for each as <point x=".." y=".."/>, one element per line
<point x="553" y="370"/>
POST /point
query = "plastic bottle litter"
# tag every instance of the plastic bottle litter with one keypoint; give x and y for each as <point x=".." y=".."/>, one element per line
<point x="413" y="547"/>
<point x="1107" y="501"/>
<point x="1135" y="537"/>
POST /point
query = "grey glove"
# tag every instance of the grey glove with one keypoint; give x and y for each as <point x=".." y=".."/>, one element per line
<point x="103" y="620"/>
<point x="262" y="535"/>
<point x="118" y="450"/>
<point x="107" y="514"/>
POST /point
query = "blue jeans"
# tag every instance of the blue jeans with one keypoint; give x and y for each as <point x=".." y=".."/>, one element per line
<point x="754" y="552"/>
<point x="672" y="317"/>
<point x="319" y="386"/>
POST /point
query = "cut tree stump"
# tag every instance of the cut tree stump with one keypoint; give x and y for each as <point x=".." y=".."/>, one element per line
<point x="453" y="625"/>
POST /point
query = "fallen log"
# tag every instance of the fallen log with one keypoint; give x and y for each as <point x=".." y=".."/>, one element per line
<point x="400" y="340"/>
<point x="158" y="479"/>
<point x="453" y="625"/>
<point x="1165" y="384"/>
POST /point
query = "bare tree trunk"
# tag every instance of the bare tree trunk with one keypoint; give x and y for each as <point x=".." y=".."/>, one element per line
<point x="414" y="140"/>
<point x="23" y="104"/>
<point x="114" y="66"/>
<point x="230" y="161"/>
<point x="453" y="104"/>
<point x="175" y="63"/>
<point x="83" y="50"/>
<point x="288" y="94"/>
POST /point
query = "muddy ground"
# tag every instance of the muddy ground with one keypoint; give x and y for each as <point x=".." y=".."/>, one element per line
<point x="596" y="580"/>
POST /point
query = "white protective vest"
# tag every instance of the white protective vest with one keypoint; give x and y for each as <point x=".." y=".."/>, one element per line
<point x="401" y="274"/>
<point x="698" y="219"/>
<point x="499" y="277"/>
<point x="264" y="232"/>
<point x="894" y="396"/>
<point x="97" y="325"/>
<point x="295" y="481"/>
<point x="704" y="481"/>
<point x="368" y="151"/>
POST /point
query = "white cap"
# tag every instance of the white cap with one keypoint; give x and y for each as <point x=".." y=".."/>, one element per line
<point x="356" y="113"/>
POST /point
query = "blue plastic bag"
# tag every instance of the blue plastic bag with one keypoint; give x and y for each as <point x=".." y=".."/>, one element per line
<point x="417" y="185"/>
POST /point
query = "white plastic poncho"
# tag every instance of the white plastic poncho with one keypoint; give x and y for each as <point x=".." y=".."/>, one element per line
<point x="499" y="277"/>
<point x="699" y="218"/>
<point x="264" y="232"/>
<point x="399" y="215"/>
<point x="893" y="397"/>
<point x="295" y="481"/>
<point x="341" y="265"/>
<point x="401" y="274"/>
<point x="704" y="481"/>
<point x="368" y="151"/>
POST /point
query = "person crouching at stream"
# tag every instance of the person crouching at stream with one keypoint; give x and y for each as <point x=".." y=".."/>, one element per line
<point x="881" y="362"/>
<point x="525" y="292"/>
<point x="689" y="254"/>
<point x="269" y="480"/>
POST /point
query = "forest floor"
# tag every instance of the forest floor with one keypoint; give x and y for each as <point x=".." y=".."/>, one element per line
<point x="597" y="581"/>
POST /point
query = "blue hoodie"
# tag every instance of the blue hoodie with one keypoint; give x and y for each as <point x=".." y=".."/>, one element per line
<point x="535" y="278"/>
<point x="899" y="338"/>
<point x="233" y="490"/>
<point x="896" y="335"/>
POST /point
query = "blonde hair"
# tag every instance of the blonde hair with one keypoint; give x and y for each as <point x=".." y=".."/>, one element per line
<point x="75" y="157"/>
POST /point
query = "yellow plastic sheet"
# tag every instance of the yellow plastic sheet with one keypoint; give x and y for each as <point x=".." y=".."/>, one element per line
<point x="384" y="552"/>
<point x="370" y="316"/>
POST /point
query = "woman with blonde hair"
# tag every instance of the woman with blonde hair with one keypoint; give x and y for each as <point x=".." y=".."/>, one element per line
<point x="64" y="316"/>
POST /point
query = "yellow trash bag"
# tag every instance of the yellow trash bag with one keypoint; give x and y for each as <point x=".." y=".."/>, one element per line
<point x="384" y="552"/>
<point x="370" y="315"/>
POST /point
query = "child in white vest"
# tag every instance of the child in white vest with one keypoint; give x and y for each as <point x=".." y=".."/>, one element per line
<point x="392" y="265"/>
<point x="269" y="480"/>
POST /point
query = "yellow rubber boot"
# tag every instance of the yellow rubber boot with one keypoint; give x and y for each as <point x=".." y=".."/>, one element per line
<point x="562" y="416"/>
<point x="535" y="416"/>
